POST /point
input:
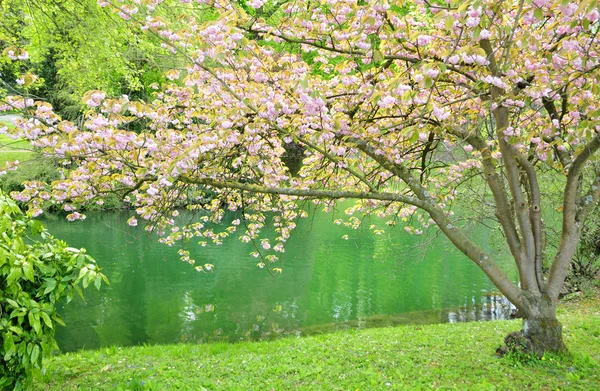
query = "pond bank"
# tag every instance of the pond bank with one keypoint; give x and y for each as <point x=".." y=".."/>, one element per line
<point x="455" y="356"/>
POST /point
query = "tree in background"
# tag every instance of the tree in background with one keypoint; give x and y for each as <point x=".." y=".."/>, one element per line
<point x="394" y="104"/>
<point x="76" y="46"/>
<point x="584" y="272"/>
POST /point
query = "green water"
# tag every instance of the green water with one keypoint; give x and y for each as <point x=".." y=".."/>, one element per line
<point x="327" y="283"/>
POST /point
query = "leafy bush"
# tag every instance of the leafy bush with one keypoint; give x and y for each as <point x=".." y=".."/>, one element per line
<point x="36" y="272"/>
<point x="585" y="266"/>
<point x="37" y="169"/>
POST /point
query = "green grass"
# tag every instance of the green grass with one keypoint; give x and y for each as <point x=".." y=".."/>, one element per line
<point x="11" y="156"/>
<point x="11" y="150"/>
<point x="7" y="143"/>
<point x="444" y="356"/>
<point x="6" y="123"/>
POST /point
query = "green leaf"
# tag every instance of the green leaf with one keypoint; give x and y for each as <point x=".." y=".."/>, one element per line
<point x="16" y="330"/>
<point x="50" y="285"/>
<point x="21" y="349"/>
<point x="34" y="321"/>
<point x="9" y="346"/>
<point x="79" y="291"/>
<point x="35" y="355"/>
<point x="86" y="280"/>
<point x="414" y="136"/>
<point x="82" y="272"/>
<point x="14" y="275"/>
<point x="36" y="227"/>
<point x="28" y="270"/>
<point x="449" y="22"/>
<point x="377" y="55"/>
<point x="58" y="320"/>
<point x="46" y="319"/>
<point x="12" y="303"/>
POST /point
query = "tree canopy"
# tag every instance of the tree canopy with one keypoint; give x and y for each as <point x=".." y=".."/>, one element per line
<point x="76" y="46"/>
<point x="393" y="104"/>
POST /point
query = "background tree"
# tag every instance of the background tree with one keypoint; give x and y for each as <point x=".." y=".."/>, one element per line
<point x="394" y="104"/>
<point x="584" y="272"/>
<point x="76" y="46"/>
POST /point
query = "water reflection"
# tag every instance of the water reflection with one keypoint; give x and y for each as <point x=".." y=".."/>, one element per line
<point x="490" y="307"/>
<point x="327" y="284"/>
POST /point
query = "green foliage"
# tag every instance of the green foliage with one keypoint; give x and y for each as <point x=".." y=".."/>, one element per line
<point x="584" y="269"/>
<point x="519" y="358"/>
<point x="76" y="46"/>
<point x="36" y="272"/>
<point x="36" y="169"/>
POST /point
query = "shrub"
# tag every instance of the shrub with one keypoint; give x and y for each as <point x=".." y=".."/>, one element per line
<point x="37" y="169"/>
<point x="585" y="267"/>
<point x="36" y="272"/>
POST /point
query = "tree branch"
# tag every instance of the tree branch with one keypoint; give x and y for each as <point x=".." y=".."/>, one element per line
<point x="509" y="155"/>
<point x="536" y="217"/>
<point x="496" y="185"/>
<point x="305" y="193"/>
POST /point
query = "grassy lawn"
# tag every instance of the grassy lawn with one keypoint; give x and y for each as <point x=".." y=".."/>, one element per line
<point x="11" y="150"/>
<point x="10" y="156"/>
<point x="7" y="143"/>
<point x="444" y="356"/>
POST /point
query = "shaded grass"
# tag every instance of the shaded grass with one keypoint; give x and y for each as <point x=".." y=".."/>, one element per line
<point x="445" y="356"/>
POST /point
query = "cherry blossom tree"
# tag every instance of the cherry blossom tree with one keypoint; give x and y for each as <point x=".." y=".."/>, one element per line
<point x="392" y="104"/>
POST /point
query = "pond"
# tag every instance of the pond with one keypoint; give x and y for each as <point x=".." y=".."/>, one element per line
<point x="327" y="283"/>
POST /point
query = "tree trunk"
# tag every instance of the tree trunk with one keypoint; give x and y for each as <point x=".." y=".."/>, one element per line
<point x="540" y="325"/>
<point x="541" y="332"/>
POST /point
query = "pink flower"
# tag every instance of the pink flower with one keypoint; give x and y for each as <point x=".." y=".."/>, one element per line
<point x="386" y="101"/>
<point x="75" y="216"/>
<point x="423" y="40"/>
<point x="484" y="34"/>
<point x="23" y="56"/>
<point x="440" y="113"/>
<point x="265" y="244"/>
<point x="454" y="59"/>
<point x="472" y="22"/>
<point x="256" y="3"/>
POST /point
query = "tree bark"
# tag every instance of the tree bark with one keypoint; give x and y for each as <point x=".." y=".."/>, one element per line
<point x="542" y="332"/>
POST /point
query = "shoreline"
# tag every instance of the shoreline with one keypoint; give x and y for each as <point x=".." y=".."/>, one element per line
<point x="448" y="355"/>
